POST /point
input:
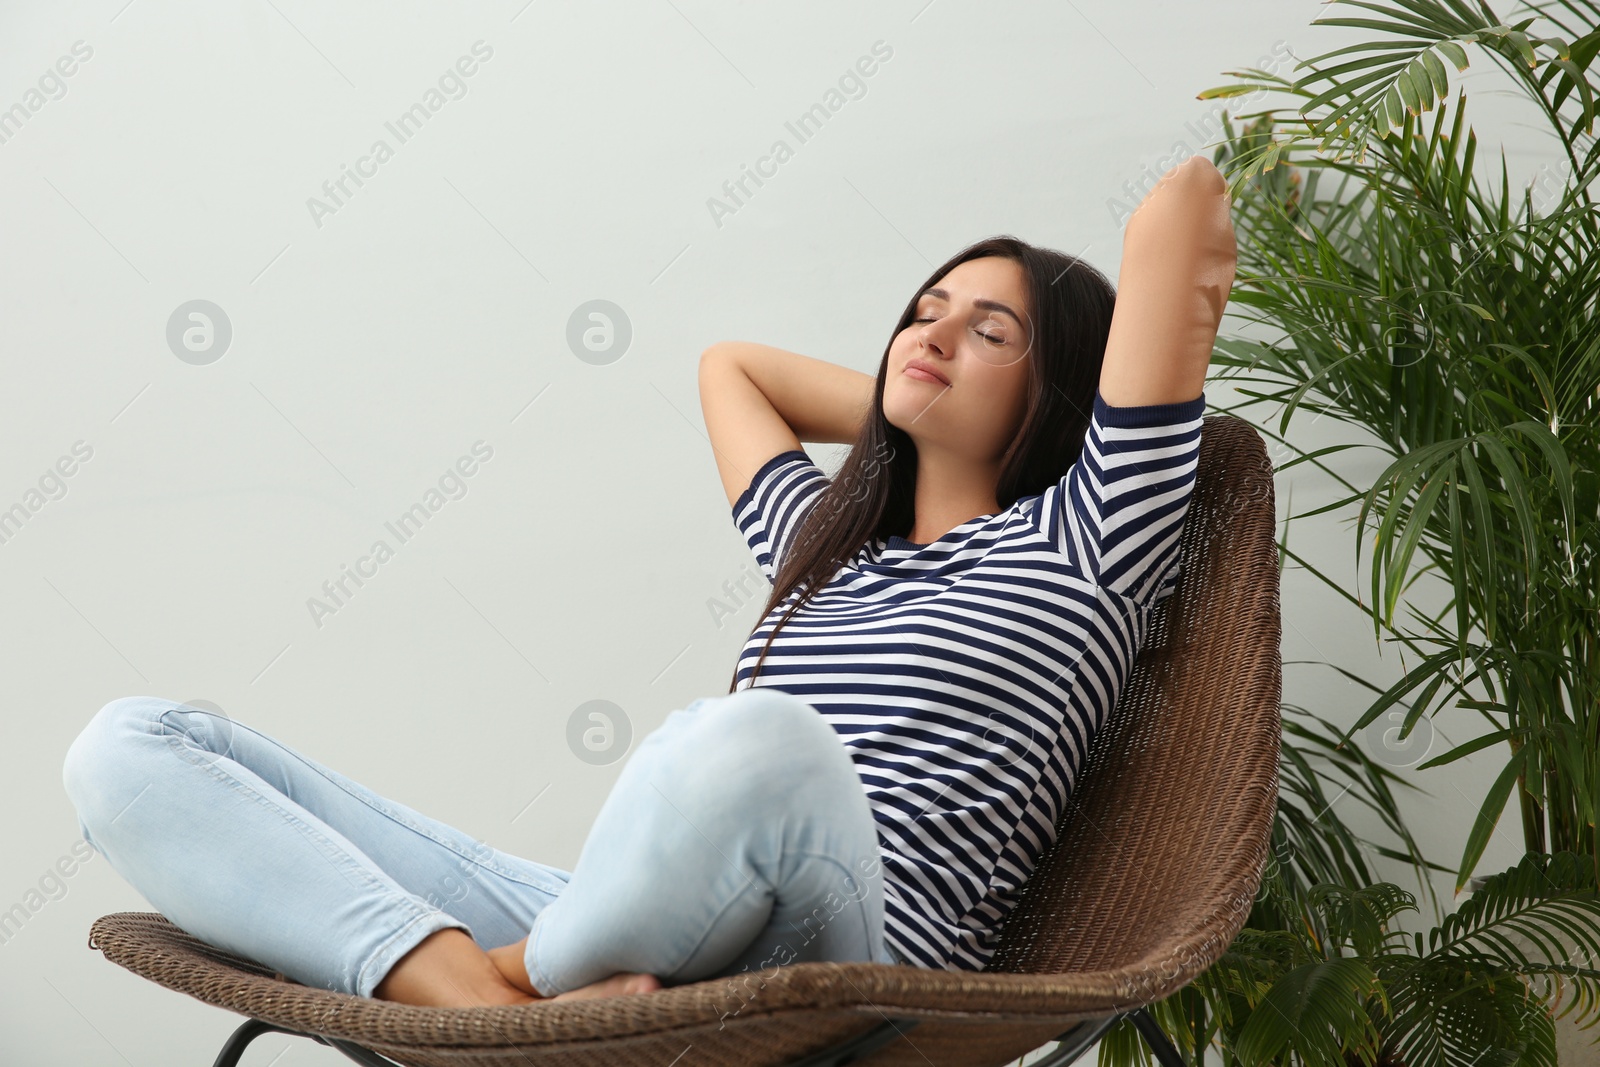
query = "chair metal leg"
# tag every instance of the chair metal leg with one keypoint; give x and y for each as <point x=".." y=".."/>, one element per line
<point x="234" y="1047"/>
<point x="1076" y="1042"/>
<point x="364" y="1056"/>
<point x="251" y="1029"/>
<point x="1156" y="1038"/>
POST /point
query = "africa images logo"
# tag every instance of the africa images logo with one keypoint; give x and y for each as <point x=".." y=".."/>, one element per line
<point x="337" y="191"/>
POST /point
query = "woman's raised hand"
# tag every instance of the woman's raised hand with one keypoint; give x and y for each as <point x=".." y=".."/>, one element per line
<point x="1181" y="236"/>
<point x="1178" y="257"/>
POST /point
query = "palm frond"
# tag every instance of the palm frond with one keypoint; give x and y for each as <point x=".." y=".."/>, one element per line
<point x="1318" y="1009"/>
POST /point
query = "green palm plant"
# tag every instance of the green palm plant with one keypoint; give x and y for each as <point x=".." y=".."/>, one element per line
<point x="1351" y="986"/>
<point x="1324" y="975"/>
<point x="1384" y="282"/>
<point x="1454" y="320"/>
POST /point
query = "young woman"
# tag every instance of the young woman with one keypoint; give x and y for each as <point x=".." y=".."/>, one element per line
<point x="952" y="616"/>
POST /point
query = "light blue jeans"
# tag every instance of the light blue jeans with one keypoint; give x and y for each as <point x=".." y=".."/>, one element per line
<point x="737" y="838"/>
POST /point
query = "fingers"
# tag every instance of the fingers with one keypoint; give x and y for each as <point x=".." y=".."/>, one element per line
<point x="1182" y="236"/>
<point x="1196" y="175"/>
<point x="1194" y="188"/>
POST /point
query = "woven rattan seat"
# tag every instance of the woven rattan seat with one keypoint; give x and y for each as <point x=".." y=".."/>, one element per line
<point x="1158" y="859"/>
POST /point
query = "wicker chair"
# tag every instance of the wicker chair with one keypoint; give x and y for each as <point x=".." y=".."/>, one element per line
<point x="1158" y="860"/>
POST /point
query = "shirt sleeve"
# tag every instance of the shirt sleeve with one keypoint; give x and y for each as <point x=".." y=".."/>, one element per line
<point x="770" y="509"/>
<point x="1118" y="512"/>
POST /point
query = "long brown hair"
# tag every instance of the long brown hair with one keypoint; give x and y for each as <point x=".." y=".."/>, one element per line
<point x="874" y="492"/>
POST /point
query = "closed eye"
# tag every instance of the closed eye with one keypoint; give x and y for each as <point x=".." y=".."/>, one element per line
<point x="994" y="339"/>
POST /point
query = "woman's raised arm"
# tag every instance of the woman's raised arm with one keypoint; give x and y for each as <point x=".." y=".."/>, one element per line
<point x="759" y="401"/>
<point x="1178" y="257"/>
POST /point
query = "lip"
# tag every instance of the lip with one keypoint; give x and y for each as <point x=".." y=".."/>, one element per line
<point x="928" y="371"/>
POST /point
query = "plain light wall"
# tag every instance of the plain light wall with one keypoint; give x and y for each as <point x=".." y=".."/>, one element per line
<point x="377" y="339"/>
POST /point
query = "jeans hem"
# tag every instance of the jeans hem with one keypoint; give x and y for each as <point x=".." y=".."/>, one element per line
<point x="536" y="976"/>
<point x="382" y="961"/>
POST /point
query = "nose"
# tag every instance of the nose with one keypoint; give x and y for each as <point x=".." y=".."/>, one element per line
<point x="928" y="339"/>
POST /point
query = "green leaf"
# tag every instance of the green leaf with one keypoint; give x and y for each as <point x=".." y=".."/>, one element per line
<point x="1224" y="91"/>
<point x="1556" y="455"/>
<point x="1394" y="108"/>
<point x="1511" y="476"/>
<point x="1437" y="75"/>
<point x="1524" y="48"/>
<point x="1460" y="589"/>
<point x="1318" y="1009"/>
<point x="1489" y="814"/>
<point x="1454" y="53"/>
<point x="1467" y="748"/>
<point x="1573" y="76"/>
<point x="1423" y="671"/>
<point x="1411" y="83"/>
<point x="1584" y="49"/>
<point x="1478" y="495"/>
<point x="1421" y="513"/>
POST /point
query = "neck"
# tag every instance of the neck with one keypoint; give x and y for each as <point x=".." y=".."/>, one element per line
<point x="951" y="489"/>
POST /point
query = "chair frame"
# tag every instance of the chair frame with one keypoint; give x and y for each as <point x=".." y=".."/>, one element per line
<point x="1157" y="862"/>
<point x="1071" y="1045"/>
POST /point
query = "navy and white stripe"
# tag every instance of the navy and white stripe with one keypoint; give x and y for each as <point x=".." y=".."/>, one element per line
<point x="967" y="676"/>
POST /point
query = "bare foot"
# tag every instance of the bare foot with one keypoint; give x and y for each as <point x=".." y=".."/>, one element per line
<point x="447" y="969"/>
<point x="509" y="960"/>
<point x="615" y="986"/>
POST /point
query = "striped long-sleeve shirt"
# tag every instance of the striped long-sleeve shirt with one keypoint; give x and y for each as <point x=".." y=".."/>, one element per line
<point x="967" y="676"/>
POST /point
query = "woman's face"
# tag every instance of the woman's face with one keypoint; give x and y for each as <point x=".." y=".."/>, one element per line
<point x="974" y="327"/>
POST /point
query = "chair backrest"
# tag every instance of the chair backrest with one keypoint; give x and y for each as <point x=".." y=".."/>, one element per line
<point x="1160" y="850"/>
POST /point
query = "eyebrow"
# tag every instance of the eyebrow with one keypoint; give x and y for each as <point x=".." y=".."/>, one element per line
<point x="987" y="305"/>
